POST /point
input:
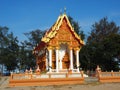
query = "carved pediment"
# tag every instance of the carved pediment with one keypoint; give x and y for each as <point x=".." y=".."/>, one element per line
<point x="62" y="31"/>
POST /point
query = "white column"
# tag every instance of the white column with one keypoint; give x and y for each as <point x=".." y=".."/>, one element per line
<point x="56" y="60"/>
<point x="61" y="64"/>
<point x="50" y="60"/>
<point x="71" y="59"/>
<point x="77" y="60"/>
<point x="46" y="60"/>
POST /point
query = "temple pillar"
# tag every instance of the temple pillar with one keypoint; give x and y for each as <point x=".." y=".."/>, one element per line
<point x="77" y="60"/>
<point x="46" y="60"/>
<point x="60" y="64"/>
<point x="50" y="59"/>
<point x="57" y="59"/>
<point x="71" y="59"/>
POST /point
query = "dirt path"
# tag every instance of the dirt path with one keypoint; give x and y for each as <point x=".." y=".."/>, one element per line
<point x="110" y="86"/>
<point x="86" y="86"/>
<point x="4" y="82"/>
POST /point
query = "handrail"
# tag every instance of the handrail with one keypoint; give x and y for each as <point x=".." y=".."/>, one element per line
<point x="111" y="74"/>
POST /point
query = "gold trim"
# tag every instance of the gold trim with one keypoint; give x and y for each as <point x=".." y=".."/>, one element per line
<point x="56" y="27"/>
<point x="57" y="48"/>
<point x="70" y="48"/>
<point x="77" y="49"/>
<point x="49" y="48"/>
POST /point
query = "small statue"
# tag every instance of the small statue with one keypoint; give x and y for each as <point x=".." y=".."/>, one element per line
<point x="98" y="69"/>
<point x="26" y="71"/>
<point x="38" y="70"/>
<point x="30" y="71"/>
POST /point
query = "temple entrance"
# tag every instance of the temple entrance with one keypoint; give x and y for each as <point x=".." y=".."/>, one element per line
<point x="63" y="56"/>
<point x="66" y="64"/>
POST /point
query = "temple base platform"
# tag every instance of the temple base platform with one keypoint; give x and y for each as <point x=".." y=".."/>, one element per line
<point x="46" y="79"/>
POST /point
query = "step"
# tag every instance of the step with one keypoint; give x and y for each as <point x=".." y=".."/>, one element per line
<point x="91" y="79"/>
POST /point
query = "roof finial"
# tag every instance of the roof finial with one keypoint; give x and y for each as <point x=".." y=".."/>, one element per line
<point x="60" y="11"/>
<point x="65" y="10"/>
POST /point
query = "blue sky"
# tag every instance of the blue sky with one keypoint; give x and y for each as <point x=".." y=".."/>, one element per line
<point x="26" y="15"/>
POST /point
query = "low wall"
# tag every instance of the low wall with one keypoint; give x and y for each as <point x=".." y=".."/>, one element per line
<point x="45" y="79"/>
<point x="109" y="77"/>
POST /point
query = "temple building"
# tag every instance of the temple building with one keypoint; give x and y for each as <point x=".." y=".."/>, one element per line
<point x="59" y="48"/>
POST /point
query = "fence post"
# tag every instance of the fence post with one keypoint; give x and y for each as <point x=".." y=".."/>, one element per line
<point x="49" y="75"/>
<point x="82" y="73"/>
<point x="11" y="76"/>
<point x="31" y="76"/>
<point x="99" y="74"/>
<point x="112" y="73"/>
<point x="67" y="75"/>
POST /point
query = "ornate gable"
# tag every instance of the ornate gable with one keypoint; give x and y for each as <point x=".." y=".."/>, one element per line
<point x="62" y="31"/>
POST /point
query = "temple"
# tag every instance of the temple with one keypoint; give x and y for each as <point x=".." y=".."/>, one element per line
<point x="59" y="48"/>
<point x="58" y="55"/>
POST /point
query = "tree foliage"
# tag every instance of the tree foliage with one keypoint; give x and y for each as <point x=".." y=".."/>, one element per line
<point x="8" y="49"/>
<point x="102" y="47"/>
<point x="34" y="37"/>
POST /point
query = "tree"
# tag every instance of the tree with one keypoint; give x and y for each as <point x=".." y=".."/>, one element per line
<point x="102" y="46"/>
<point x="12" y="52"/>
<point x="34" y="37"/>
<point x="22" y="57"/>
<point x="112" y="51"/>
<point x="102" y="29"/>
<point x="8" y="49"/>
<point x="3" y="45"/>
<point x="27" y="60"/>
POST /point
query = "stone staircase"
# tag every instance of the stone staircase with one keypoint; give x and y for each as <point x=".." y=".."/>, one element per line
<point x="91" y="80"/>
